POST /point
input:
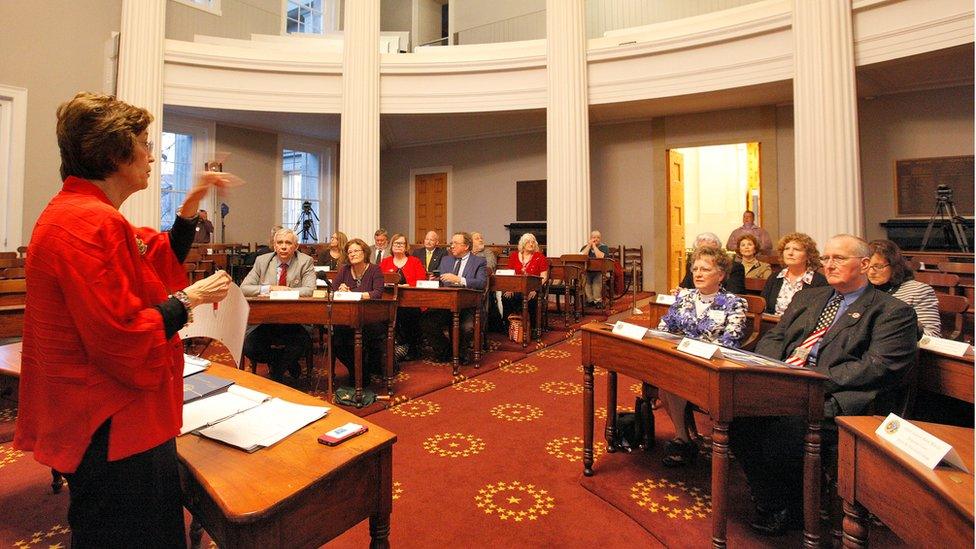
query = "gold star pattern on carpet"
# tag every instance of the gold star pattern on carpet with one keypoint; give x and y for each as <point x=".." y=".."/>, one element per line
<point x="596" y="371"/>
<point x="553" y="353"/>
<point x="397" y="490"/>
<point x="561" y="388"/>
<point x="571" y="449"/>
<point x="8" y="456"/>
<point x="516" y="412"/>
<point x="520" y="368"/>
<point x="514" y="501"/>
<point x="576" y="341"/>
<point x="417" y="407"/>
<point x="454" y="445"/>
<point x="601" y="412"/>
<point x="680" y="501"/>
<point x="44" y="538"/>
<point x="474" y="386"/>
<point x="8" y="414"/>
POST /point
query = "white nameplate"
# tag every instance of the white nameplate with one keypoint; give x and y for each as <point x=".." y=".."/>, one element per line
<point x="428" y="283"/>
<point x="209" y="251"/>
<point x="347" y="296"/>
<point x="283" y="294"/>
<point x="945" y="346"/>
<point x="664" y="299"/>
<point x="321" y="268"/>
<point x="508" y="272"/>
<point x="917" y="443"/>
<point x="632" y="331"/>
<point x="699" y="348"/>
<point x="319" y="293"/>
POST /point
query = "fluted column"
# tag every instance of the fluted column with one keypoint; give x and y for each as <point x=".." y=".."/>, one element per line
<point x="567" y="128"/>
<point x="828" y="174"/>
<point x="140" y="83"/>
<point x="359" y="156"/>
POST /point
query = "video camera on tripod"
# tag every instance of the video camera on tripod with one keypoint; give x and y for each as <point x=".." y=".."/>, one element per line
<point x="945" y="212"/>
<point x="307" y="223"/>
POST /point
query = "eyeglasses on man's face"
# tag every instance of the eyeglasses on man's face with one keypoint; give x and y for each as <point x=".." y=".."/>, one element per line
<point x="837" y="259"/>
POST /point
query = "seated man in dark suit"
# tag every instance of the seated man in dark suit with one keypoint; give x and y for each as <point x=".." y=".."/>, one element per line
<point x="463" y="269"/>
<point x="736" y="281"/>
<point x="430" y="255"/>
<point x="862" y="339"/>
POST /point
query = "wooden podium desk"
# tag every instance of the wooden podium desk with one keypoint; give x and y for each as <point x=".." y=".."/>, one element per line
<point x="724" y="389"/>
<point x="522" y="284"/>
<point x="925" y="508"/>
<point x="297" y="493"/>
<point x="454" y="300"/>
<point x="313" y="310"/>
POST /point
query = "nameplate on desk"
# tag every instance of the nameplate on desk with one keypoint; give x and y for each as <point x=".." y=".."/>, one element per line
<point x="945" y="346"/>
<point x="283" y="294"/>
<point x="347" y="296"/>
<point x="699" y="349"/>
<point x="626" y="329"/>
<point x="209" y="251"/>
<point x="925" y="448"/>
<point x="321" y="268"/>
<point x="507" y="272"/>
<point x="319" y="293"/>
<point x="428" y="283"/>
<point x="664" y="299"/>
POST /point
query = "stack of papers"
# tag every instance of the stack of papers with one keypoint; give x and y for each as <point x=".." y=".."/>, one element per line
<point x="193" y="364"/>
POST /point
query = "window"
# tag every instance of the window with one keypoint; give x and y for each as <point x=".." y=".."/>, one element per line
<point x="13" y="136"/>
<point x="176" y="174"/>
<point x="211" y="6"/>
<point x="311" y="16"/>
<point x="300" y="196"/>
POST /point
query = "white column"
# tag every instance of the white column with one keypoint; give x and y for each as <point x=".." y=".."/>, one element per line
<point x="567" y="128"/>
<point x="828" y="173"/>
<point x="140" y="83"/>
<point x="359" y="145"/>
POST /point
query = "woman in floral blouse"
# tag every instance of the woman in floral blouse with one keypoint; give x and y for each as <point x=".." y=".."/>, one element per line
<point x="708" y="313"/>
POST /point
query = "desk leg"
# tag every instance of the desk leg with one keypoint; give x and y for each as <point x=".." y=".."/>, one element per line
<point x="358" y="360"/>
<point x="588" y="420"/>
<point x="610" y="431"/>
<point x="526" y="327"/>
<point x="390" y="350"/>
<point x="477" y="337"/>
<point x="720" y="481"/>
<point x="539" y="304"/>
<point x="455" y="341"/>
<point x="811" y="485"/>
<point x="379" y="521"/>
<point x="856" y="525"/>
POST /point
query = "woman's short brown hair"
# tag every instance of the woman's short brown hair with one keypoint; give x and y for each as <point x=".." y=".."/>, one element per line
<point x="900" y="270"/>
<point x="362" y="246"/>
<point x="96" y="133"/>
<point x="719" y="257"/>
<point x="809" y="246"/>
<point x="750" y="238"/>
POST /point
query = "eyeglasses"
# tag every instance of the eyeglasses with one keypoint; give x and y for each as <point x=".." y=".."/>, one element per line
<point x="838" y="259"/>
<point x="876" y="268"/>
<point x="355" y="251"/>
<point x="399" y="243"/>
<point x="148" y="145"/>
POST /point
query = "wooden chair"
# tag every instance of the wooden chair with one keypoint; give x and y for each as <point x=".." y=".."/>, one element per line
<point x="8" y="255"/>
<point x="756" y="307"/>
<point x="754" y="286"/>
<point x="565" y="280"/>
<point x="941" y="282"/>
<point x="13" y="272"/>
<point x="965" y="273"/>
<point x="22" y="251"/>
<point x="13" y="291"/>
<point x="15" y="262"/>
<point x="633" y="266"/>
<point x="951" y="309"/>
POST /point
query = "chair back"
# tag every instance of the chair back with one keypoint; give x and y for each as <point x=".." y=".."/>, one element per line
<point x="13" y="291"/>
<point x="756" y="305"/>
<point x="391" y="285"/>
<point x="951" y="309"/>
<point x="8" y="255"/>
<point x="13" y="272"/>
<point x="754" y="286"/>
<point x="22" y="251"/>
<point x="900" y="399"/>
<point x="941" y="282"/>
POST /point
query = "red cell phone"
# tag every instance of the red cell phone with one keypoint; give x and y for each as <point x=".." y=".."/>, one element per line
<point x="342" y="433"/>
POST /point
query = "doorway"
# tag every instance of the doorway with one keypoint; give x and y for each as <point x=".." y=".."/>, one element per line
<point x="429" y="204"/>
<point x="708" y="189"/>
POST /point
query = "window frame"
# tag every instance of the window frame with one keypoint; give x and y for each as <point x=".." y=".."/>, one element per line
<point x="13" y="127"/>
<point x="331" y="15"/>
<point x="202" y="132"/>
<point x="327" y="151"/>
<point x="212" y="6"/>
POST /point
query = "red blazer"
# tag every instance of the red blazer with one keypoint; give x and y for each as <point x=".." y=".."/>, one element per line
<point x="413" y="270"/>
<point x="94" y="344"/>
<point x="536" y="266"/>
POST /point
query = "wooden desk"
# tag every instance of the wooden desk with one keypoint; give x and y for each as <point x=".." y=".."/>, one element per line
<point x="946" y="375"/>
<point x="312" y="310"/>
<point x="522" y="284"/>
<point x="923" y="507"/>
<point x="454" y="300"/>
<point x="297" y="493"/>
<point x="724" y="389"/>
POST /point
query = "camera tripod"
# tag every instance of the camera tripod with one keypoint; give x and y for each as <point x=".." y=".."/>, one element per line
<point x="305" y="220"/>
<point x="945" y="213"/>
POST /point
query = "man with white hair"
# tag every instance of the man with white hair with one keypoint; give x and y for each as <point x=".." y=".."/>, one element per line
<point x="862" y="339"/>
<point x="734" y="284"/>
<point x="594" y="281"/>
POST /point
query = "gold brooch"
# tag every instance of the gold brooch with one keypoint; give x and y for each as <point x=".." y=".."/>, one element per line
<point x="141" y="245"/>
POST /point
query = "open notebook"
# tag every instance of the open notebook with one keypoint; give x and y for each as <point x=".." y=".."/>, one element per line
<point x="246" y="418"/>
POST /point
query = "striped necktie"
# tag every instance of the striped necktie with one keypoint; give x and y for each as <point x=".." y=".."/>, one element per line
<point x="802" y="353"/>
<point x="283" y="274"/>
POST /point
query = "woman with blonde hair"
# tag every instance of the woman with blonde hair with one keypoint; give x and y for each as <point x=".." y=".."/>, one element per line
<point x="334" y="256"/>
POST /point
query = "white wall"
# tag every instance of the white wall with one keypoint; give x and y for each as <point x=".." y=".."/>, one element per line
<point x="253" y="155"/>
<point x="238" y="19"/>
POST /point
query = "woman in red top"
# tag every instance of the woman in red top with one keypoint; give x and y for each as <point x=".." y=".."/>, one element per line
<point x="101" y="387"/>
<point x="408" y="318"/>
<point x="528" y="260"/>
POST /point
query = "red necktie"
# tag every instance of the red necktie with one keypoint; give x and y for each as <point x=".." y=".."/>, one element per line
<point x="283" y="274"/>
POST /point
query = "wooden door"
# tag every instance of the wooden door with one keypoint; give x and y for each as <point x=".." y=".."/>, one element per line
<point x="430" y="205"/>
<point x="676" y="218"/>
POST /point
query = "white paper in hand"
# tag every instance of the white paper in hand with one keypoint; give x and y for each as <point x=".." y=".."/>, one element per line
<point x="226" y="322"/>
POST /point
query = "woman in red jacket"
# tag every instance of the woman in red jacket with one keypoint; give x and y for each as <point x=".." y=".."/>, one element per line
<point x="528" y="260"/>
<point x="101" y="387"/>
<point x="408" y="318"/>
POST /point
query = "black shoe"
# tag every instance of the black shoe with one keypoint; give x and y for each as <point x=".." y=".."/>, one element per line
<point x="295" y="371"/>
<point x="776" y="523"/>
<point x="680" y="453"/>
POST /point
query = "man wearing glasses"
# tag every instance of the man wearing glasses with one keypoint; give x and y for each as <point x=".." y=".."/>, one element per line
<point x="862" y="339"/>
<point x="463" y="269"/>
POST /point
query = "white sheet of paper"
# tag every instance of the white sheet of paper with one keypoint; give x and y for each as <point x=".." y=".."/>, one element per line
<point x="428" y="283"/>
<point x="922" y="446"/>
<point x="632" y="331"/>
<point x="945" y="346"/>
<point x="283" y="294"/>
<point x="226" y="324"/>
<point x="505" y="271"/>
<point x="347" y="296"/>
<point x="193" y="364"/>
<point x="699" y="348"/>
<point x="664" y="299"/>
<point x="214" y="408"/>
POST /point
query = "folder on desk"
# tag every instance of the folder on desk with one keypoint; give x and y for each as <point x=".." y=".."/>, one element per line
<point x="200" y="385"/>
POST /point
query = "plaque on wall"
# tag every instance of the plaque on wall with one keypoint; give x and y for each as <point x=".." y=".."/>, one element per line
<point x="916" y="181"/>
